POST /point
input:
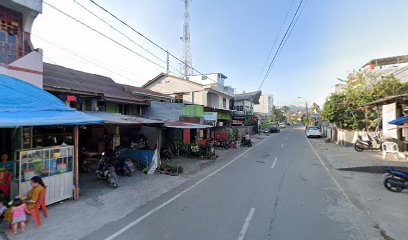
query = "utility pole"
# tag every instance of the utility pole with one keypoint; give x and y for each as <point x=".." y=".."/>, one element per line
<point x="187" y="59"/>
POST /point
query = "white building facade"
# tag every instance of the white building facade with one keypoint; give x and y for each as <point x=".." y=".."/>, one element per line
<point x="207" y="90"/>
<point x="265" y="104"/>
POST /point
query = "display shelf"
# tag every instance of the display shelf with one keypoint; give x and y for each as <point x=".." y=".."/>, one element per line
<point x="53" y="164"/>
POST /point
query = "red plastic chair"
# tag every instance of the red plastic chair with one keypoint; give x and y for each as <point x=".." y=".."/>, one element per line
<point x="35" y="212"/>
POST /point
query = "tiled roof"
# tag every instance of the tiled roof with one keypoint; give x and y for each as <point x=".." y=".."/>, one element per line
<point x="143" y="91"/>
<point x="388" y="60"/>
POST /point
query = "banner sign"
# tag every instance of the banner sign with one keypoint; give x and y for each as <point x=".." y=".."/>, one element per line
<point x="210" y="116"/>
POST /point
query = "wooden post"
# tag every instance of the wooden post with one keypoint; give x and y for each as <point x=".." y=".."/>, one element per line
<point x="366" y="118"/>
<point x="158" y="146"/>
<point x="76" y="163"/>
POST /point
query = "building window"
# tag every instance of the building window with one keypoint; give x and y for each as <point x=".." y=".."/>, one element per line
<point x="224" y="103"/>
<point x="10" y="35"/>
<point x="179" y="98"/>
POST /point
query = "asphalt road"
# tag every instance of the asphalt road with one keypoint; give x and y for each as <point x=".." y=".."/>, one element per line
<point x="278" y="189"/>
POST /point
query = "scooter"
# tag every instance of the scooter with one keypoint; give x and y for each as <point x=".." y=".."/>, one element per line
<point x="395" y="180"/>
<point x="362" y="145"/>
<point x="222" y="144"/>
<point x="266" y="132"/>
<point x="106" y="171"/>
<point x="246" y="142"/>
<point x="124" y="167"/>
<point x="166" y="153"/>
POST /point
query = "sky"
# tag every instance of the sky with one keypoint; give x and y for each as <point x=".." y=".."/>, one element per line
<point x="331" y="39"/>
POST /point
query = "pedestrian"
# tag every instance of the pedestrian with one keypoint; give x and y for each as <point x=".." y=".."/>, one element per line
<point x="18" y="212"/>
<point x="3" y="209"/>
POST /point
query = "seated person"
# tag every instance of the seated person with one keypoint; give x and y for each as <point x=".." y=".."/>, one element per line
<point x="31" y="197"/>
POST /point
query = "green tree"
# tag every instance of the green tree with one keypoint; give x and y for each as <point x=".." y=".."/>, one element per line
<point x="345" y="108"/>
<point x="315" y="107"/>
<point x="277" y="115"/>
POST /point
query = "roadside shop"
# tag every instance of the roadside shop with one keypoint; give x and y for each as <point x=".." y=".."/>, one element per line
<point x="137" y="136"/>
<point x="39" y="136"/>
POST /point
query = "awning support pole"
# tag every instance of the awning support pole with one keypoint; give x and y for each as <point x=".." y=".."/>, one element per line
<point x="76" y="165"/>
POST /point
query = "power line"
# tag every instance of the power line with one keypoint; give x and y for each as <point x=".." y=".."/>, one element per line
<point x="121" y="33"/>
<point x="142" y="35"/>
<point x="276" y="39"/>
<point x="290" y="32"/>
<point x="85" y="59"/>
<point x="281" y="44"/>
<point x="104" y="35"/>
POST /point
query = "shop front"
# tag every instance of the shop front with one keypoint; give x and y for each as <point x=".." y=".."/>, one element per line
<point x="137" y="138"/>
<point x="38" y="137"/>
<point x="185" y="138"/>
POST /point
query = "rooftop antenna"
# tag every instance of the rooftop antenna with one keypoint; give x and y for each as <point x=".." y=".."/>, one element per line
<point x="187" y="59"/>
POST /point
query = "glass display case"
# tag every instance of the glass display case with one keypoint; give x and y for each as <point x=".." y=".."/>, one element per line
<point x="53" y="164"/>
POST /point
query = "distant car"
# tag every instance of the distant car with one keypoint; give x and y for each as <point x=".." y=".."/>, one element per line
<point x="313" y="131"/>
<point x="274" y="128"/>
<point x="282" y="125"/>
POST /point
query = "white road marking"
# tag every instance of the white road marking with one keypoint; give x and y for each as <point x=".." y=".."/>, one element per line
<point x="274" y="162"/>
<point x="246" y="224"/>
<point x="282" y="145"/>
<point x="148" y="214"/>
<point x="328" y="172"/>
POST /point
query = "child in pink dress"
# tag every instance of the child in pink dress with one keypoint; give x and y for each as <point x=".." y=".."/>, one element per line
<point x="18" y="212"/>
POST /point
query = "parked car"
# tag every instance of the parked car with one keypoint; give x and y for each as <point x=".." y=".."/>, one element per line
<point x="282" y="125"/>
<point x="313" y="131"/>
<point x="274" y="128"/>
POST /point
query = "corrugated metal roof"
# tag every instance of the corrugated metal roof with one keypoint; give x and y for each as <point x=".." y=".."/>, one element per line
<point x="186" y="125"/>
<point x="250" y="96"/>
<point x="62" y="78"/>
<point x="117" y="118"/>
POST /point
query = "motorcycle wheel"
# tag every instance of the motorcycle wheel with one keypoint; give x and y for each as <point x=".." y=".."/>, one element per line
<point x="358" y="148"/>
<point x="113" y="182"/>
<point x="129" y="173"/>
<point x="388" y="185"/>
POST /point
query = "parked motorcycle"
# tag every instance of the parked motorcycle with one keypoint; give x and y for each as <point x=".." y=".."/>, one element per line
<point x="222" y="144"/>
<point x="166" y="153"/>
<point x="247" y="142"/>
<point x="266" y="132"/>
<point x="362" y="145"/>
<point x="124" y="167"/>
<point x="395" y="180"/>
<point x="106" y="171"/>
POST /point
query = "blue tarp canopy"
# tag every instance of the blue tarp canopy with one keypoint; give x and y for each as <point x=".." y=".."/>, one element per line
<point x="399" y="121"/>
<point x="22" y="104"/>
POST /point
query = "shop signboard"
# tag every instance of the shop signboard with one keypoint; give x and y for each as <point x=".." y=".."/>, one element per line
<point x="210" y="116"/>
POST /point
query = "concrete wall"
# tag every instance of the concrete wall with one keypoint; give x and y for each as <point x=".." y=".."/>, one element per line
<point x="152" y="135"/>
<point x="247" y="105"/>
<point x="170" y="86"/>
<point x="165" y="111"/>
<point x="389" y="113"/>
<point x="28" y="68"/>
<point x="207" y="79"/>
<point x="265" y="104"/>
<point x="192" y="92"/>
